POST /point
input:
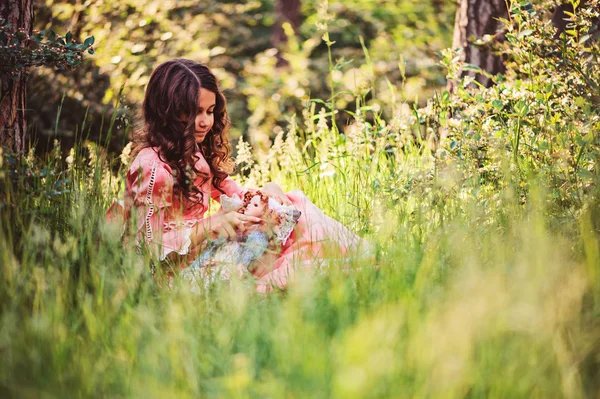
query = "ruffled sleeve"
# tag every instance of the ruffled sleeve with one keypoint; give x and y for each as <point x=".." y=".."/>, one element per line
<point x="150" y="186"/>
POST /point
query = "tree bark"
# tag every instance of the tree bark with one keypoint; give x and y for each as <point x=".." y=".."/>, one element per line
<point x="286" y="11"/>
<point x="560" y="19"/>
<point x="13" y="89"/>
<point x="474" y="19"/>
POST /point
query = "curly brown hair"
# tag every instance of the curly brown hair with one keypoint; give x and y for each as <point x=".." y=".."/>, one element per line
<point x="168" y="123"/>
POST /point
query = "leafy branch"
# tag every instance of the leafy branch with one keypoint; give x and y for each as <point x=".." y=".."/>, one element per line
<point x="20" y="50"/>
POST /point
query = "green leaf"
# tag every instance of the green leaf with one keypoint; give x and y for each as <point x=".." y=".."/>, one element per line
<point x="498" y="105"/>
<point x="585" y="174"/>
<point x="88" y="42"/>
<point x="471" y="67"/>
<point x="525" y="33"/>
<point x="69" y="37"/>
<point x="580" y="101"/>
<point x="445" y="97"/>
<point x="521" y="109"/>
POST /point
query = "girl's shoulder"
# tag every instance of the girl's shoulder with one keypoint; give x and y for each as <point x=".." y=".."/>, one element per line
<point x="147" y="160"/>
<point x="147" y="169"/>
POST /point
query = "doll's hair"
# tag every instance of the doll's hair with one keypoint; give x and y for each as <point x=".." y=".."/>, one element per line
<point x="169" y="111"/>
<point x="268" y="213"/>
<point x="248" y="197"/>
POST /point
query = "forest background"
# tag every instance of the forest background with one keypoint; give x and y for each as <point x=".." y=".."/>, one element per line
<point x="268" y="72"/>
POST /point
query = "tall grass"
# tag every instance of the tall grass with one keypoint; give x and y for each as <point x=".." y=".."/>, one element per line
<point x="484" y="287"/>
<point x="470" y="298"/>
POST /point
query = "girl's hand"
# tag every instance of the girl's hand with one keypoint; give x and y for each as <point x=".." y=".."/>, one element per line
<point x="229" y="224"/>
<point x="274" y="191"/>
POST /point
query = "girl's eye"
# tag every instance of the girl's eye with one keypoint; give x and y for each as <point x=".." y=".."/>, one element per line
<point x="210" y="113"/>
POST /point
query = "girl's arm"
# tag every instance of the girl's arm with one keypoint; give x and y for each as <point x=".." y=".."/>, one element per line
<point x="230" y="187"/>
<point x="150" y="188"/>
<point x="226" y="225"/>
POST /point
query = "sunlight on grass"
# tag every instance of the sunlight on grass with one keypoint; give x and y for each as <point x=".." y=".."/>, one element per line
<point x="484" y="279"/>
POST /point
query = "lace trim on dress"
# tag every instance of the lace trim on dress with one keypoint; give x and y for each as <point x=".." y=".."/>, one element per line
<point x="168" y="226"/>
<point x="166" y="250"/>
<point x="288" y="222"/>
<point x="149" y="202"/>
<point x="289" y="216"/>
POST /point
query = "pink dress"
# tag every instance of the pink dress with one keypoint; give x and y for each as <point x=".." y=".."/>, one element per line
<point x="165" y="224"/>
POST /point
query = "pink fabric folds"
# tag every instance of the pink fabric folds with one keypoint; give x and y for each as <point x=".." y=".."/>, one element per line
<point x="164" y="222"/>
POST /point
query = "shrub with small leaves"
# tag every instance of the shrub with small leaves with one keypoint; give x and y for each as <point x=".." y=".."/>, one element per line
<point x="19" y="50"/>
<point x="542" y="114"/>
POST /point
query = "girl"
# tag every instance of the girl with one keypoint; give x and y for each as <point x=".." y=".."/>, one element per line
<point x="182" y="158"/>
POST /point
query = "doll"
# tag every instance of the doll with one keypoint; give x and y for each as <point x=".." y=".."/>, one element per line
<point x="223" y="256"/>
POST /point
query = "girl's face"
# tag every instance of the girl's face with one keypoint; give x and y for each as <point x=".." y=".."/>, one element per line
<point x="205" y="117"/>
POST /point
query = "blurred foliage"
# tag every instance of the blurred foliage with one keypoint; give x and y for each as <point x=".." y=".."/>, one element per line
<point x="234" y="39"/>
<point x="483" y="207"/>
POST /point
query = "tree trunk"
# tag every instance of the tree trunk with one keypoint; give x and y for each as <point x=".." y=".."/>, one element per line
<point x="13" y="90"/>
<point x="286" y="11"/>
<point x="476" y="18"/>
<point x="560" y="19"/>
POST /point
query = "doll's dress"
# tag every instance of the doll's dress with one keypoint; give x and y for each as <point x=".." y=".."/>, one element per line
<point x="222" y="251"/>
<point x="222" y="259"/>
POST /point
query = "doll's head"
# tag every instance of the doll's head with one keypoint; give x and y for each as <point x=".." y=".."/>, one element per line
<point x="255" y="204"/>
